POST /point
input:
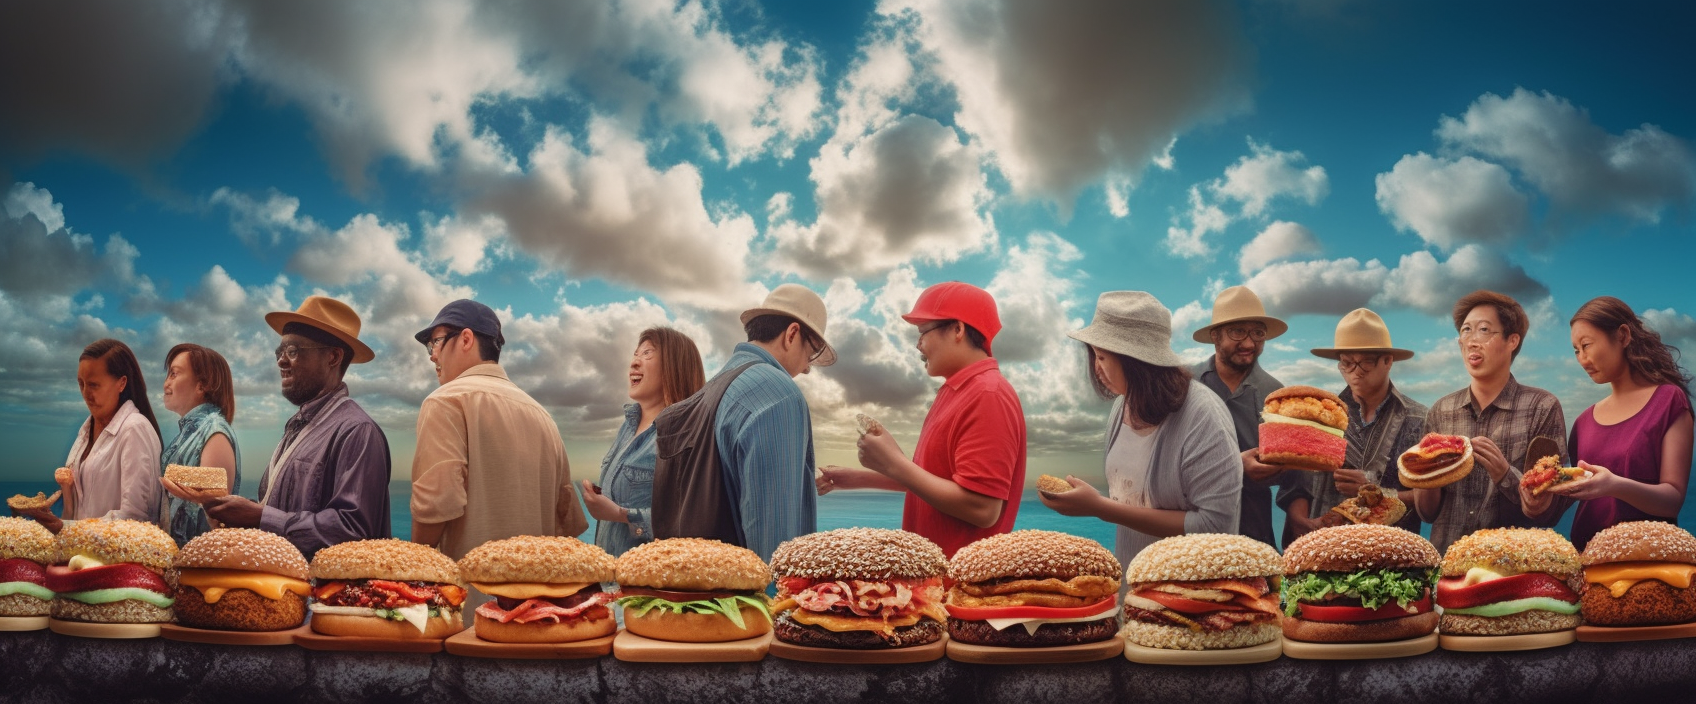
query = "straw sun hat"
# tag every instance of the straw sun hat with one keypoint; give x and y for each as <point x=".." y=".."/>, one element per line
<point x="1134" y="324"/>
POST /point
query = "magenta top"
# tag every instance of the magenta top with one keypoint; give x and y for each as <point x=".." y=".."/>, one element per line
<point x="1630" y="448"/>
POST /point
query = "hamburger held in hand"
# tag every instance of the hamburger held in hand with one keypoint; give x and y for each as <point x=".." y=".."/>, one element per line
<point x="860" y="589"/>
<point x="1302" y="428"/>
<point x="26" y="549"/>
<point x="1359" y="584"/>
<point x="1438" y="460"/>
<point x="385" y="589"/>
<point x="1033" y="588"/>
<point x="1204" y="591"/>
<point x="114" y="573"/>
<point x="1639" y="574"/>
<point x="1509" y="581"/>
<point x="693" y="590"/>
<point x="241" y="579"/>
<point x="545" y="589"/>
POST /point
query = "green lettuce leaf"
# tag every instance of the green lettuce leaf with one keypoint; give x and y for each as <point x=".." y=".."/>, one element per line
<point x="1514" y="606"/>
<point x="729" y="607"/>
<point x="107" y="596"/>
<point x="1374" y="588"/>
<point x="27" y="588"/>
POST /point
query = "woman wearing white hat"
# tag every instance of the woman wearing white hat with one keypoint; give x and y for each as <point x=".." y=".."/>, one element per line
<point x="1171" y="456"/>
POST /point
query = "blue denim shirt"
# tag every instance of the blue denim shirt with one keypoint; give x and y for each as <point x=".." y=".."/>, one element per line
<point x="627" y="477"/>
<point x="185" y="519"/>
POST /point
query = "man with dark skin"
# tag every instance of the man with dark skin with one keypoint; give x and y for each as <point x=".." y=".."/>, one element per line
<point x="1239" y="330"/>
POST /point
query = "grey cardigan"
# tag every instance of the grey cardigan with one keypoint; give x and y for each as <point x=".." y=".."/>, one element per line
<point x="1195" y="468"/>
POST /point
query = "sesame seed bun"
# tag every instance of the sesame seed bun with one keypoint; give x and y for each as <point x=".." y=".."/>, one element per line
<point x="1441" y="477"/>
<point x="1159" y="635"/>
<point x="567" y="631"/>
<point x="541" y="559"/>
<point x="1513" y="551"/>
<point x="1203" y="556"/>
<point x="246" y="549"/>
<point x="369" y="627"/>
<point x="692" y="564"/>
<point x="122" y="611"/>
<point x="384" y="559"/>
<point x="116" y="541"/>
<point x="1036" y="554"/>
<point x="198" y="477"/>
<point x="859" y="553"/>
<point x="1053" y="484"/>
<point x="1357" y="547"/>
<point x="1308" y="403"/>
<point x="1641" y="541"/>
<point x="22" y="537"/>
<point x="660" y="624"/>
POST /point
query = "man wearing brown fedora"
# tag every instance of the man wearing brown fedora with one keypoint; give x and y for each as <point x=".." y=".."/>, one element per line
<point x="328" y="480"/>
<point x="1382" y="423"/>
<point x="1238" y="332"/>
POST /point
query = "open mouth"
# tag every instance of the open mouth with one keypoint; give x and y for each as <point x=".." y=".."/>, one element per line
<point x="635" y="379"/>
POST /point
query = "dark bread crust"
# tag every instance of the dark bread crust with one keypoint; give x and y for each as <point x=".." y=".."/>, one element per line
<point x="1363" y="632"/>
<point x="1650" y="602"/>
<point x="568" y="631"/>
<point x="1047" y="635"/>
<point x="789" y="630"/>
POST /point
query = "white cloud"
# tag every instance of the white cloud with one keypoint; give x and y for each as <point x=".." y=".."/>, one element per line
<point x="1331" y="287"/>
<point x="460" y="243"/>
<point x="1266" y="174"/>
<point x="1451" y="202"/>
<point x="251" y="219"/>
<point x="23" y="198"/>
<point x="1279" y="241"/>
<point x="1033" y="295"/>
<point x="1675" y="328"/>
<point x="1422" y="283"/>
<point x="1205" y="218"/>
<point x="38" y="263"/>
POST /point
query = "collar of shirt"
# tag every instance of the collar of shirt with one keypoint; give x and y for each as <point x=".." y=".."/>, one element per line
<point x="1257" y="377"/>
<point x="1504" y="400"/>
<point x="1354" y="406"/>
<point x="310" y="409"/>
<point x="124" y="412"/>
<point x="482" y="369"/>
<point x="196" y="416"/>
<point x="632" y="411"/>
<point x="969" y="371"/>
<point x="759" y="355"/>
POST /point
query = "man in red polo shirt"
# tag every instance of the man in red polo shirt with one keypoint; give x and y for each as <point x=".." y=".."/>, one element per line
<point x="968" y="471"/>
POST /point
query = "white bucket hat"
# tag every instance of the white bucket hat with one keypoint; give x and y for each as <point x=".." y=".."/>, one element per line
<point x="1134" y="324"/>
<point x="800" y="303"/>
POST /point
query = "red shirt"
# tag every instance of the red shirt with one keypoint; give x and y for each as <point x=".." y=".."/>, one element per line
<point x="973" y="436"/>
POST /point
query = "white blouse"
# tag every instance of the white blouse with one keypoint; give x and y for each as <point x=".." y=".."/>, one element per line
<point x="120" y="476"/>
<point x="1127" y="465"/>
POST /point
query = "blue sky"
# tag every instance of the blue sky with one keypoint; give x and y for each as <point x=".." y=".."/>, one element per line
<point x="173" y="171"/>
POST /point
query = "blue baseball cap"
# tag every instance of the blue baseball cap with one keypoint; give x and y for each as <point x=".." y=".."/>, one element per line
<point x="465" y="313"/>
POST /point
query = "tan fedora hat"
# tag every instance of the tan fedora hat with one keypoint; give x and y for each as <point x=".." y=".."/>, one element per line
<point x="1237" y="304"/>
<point x="800" y="303"/>
<point x="331" y="316"/>
<point x="1363" y="331"/>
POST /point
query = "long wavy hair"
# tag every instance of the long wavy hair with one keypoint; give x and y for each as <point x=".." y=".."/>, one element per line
<point x="121" y="363"/>
<point x="1649" y="359"/>
<point x="681" y="373"/>
<point x="1152" y="392"/>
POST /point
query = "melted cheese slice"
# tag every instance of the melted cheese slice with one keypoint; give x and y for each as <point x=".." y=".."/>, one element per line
<point x="1479" y="574"/>
<point x="831" y="622"/>
<point x="530" y="590"/>
<point x="1032" y="624"/>
<point x="213" y="583"/>
<point x="82" y="561"/>
<point x="1620" y="577"/>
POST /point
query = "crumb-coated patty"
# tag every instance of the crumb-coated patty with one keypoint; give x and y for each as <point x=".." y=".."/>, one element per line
<point x="788" y="630"/>
<point x="1158" y="635"/>
<point x="24" y="605"/>
<point x="239" y="610"/>
<point x="1533" y="621"/>
<point x="126" y="611"/>
<point x="1047" y="635"/>
<point x="1650" y="602"/>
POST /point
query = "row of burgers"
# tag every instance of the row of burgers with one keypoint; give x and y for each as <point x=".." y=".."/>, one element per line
<point x="863" y="588"/>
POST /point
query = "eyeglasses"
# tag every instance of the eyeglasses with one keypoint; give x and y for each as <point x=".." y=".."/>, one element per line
<point x="431" y="343"/>
<point x="938" y="325"/>
<point x="645" y="354"/>
<point x="818" y="349"/>
<point x="292" y="352"/>
<point x="1365" y="365"/>
<point x="1238" y="334"/>
<point x="1483" y="333"/>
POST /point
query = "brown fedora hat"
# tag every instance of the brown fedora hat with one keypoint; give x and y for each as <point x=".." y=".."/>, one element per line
<point x="1237" y="304"/>
<point x="1363" y="331"/>
<point x="331" y="316"/>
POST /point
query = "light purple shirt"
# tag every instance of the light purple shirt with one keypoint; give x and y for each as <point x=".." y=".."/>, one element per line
<point x="120" y="476"/>
<point x="334" y="487"/>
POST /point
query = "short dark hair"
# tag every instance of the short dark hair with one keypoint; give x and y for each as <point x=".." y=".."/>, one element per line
<point x="1508" y="310"/>
<point x="486" y="348"/>
<point x="322" y="337"/>
<point x="973" y="337"/>
<point x="1152" y="392"/>
<point x="765" y="328"/>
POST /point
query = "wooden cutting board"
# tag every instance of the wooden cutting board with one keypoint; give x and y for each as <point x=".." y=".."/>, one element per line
<point x="845" y="656"/>
<point x="1265" y="652"/>
<point x="630" y="647"/>
<point x="103" y="630"/>
<point x="992" y="655"/>
<point x="468" y="644"/>
<point x="1498" y="644"/>
<point x="317" y="641"/>
<point x="1302" y="650"/>
<point x="1620" y="634"/>
<point x="14" y="624"/>
<point x="185" y="634"/>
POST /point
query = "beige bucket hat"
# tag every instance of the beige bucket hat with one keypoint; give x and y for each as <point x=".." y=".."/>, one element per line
<point x="1237" y="304"/>
<point x="800" y="303"/>
<point x="1363" y="331"/>
<point x="1134" y="324"/>
<point x="331" y="316"/>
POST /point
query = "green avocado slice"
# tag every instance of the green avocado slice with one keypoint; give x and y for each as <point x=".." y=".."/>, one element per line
<point x="107" y="596"/>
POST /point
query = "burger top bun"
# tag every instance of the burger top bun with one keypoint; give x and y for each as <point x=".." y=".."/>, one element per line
<point x="1309" y="403"/>
<point x="1203" y="556"/>
<point x="1641" y="541"/>
<point x="530" y="558"/>
<point x="386" y="558"/>
<point x="693" y="564"/>
<point x="1036" y="554"/>
<point x="859" y="553"/>
<point x="1299" y="391"/>
<point x="1513" y="551"/>
<point x="246" y="549"/>
<point x="1355" y="547"/>
<point x="24" y="538"/>
<point x="121" y="540"/>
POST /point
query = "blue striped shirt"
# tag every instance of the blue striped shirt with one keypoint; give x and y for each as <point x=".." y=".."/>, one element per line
<point x="765" y="442"/>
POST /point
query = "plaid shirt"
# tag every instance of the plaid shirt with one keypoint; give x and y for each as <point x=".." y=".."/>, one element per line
<point x="1518" y="414"/>
<point x="1397" y="425"/>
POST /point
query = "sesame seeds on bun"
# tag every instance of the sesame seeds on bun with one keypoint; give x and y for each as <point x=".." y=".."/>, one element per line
<point x="1357" y="547"/>
<point x="692" y="564"/>
<point x="1641" y="541"/>
<point x="24" y="538"/>
<point x="386" y="558"/>
<point x="122" y="540"/>
<point x="859" y="553"/>
<point x="539" y="559"/>
<point x="1513" y="551"/>
<point x="245" y="549"/>
<point x="1036" y="554"/>
<point x="1203" y="556"/>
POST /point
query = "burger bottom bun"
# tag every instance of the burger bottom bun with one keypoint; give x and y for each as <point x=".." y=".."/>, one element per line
<point x="1650" y="602"/>
<point x="239" y="610"/>
<point x="1362" y="632"/>
<point x="1047" y="635"/>
<point x="1533" y="621"/>
<point x="373" y="627"/>
<point x="1296" y="460"/>
<point x="569" y="631"/>
<point x="1429" y="482"/>
<point x="24" y="605"/>
<point x="125" y="611"/>
<point x="1159" y="635"/>
<point x="660" y="624"/>
<point x="789" y="630"/>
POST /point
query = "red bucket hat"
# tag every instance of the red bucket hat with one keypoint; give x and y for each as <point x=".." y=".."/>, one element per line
<point x="953" y="300"/>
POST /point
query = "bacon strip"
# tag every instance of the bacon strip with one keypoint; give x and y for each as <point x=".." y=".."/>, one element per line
<point x="533" y="610"/>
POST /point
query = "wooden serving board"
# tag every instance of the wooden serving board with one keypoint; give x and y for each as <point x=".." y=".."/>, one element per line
<point x="14" y="624"/>
<point x="630" y="647"/>
<point x="1265" y="652"/>
<point x="1619" y="634"/>
<point x="317" y="641"/>
<point x="1302" y="650"/>
<point x="1497" y="644"/>
<point x="468" y="644"/>
<point x="103" y="630"/>
<point x="993" y="655"/>
<point x="846" y="656"/>
<point x="185" y="634"/>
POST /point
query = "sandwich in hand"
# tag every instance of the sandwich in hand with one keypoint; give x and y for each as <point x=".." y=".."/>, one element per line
<point x="545" y="589"/>
<point x="1053" y="485"/>
<point x="1203" y="591"/>
<point x="1372" y="504"/>
<point x="1302" y="428"/>
<point x="241" y="579"/>
<point x="1638" y="574"/>
<point x="1438" y="460"/>
<point x="694" y="590"/>
<point x="26" y="549"/>
<point x="1549" y="473"/>
<point x="114" y="573"/>
<point x="1510" y="581"/>
<point x="385" y="589"/>
<point x="32" y="503"/>
<point x="859" y="589"/>
<point x="1033" y="588"/>
<point x="204" y="481"/>
<point x="1359" y="584"/>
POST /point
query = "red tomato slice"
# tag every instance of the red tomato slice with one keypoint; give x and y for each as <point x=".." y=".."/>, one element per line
<point x="1351" y="614"/>
<point x="404" y="590"/>
<point x="967" y="613"/>
<point x="1452" y="594"/>
<point x="328" y="589"/>
<point x="1188" y="606"/>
